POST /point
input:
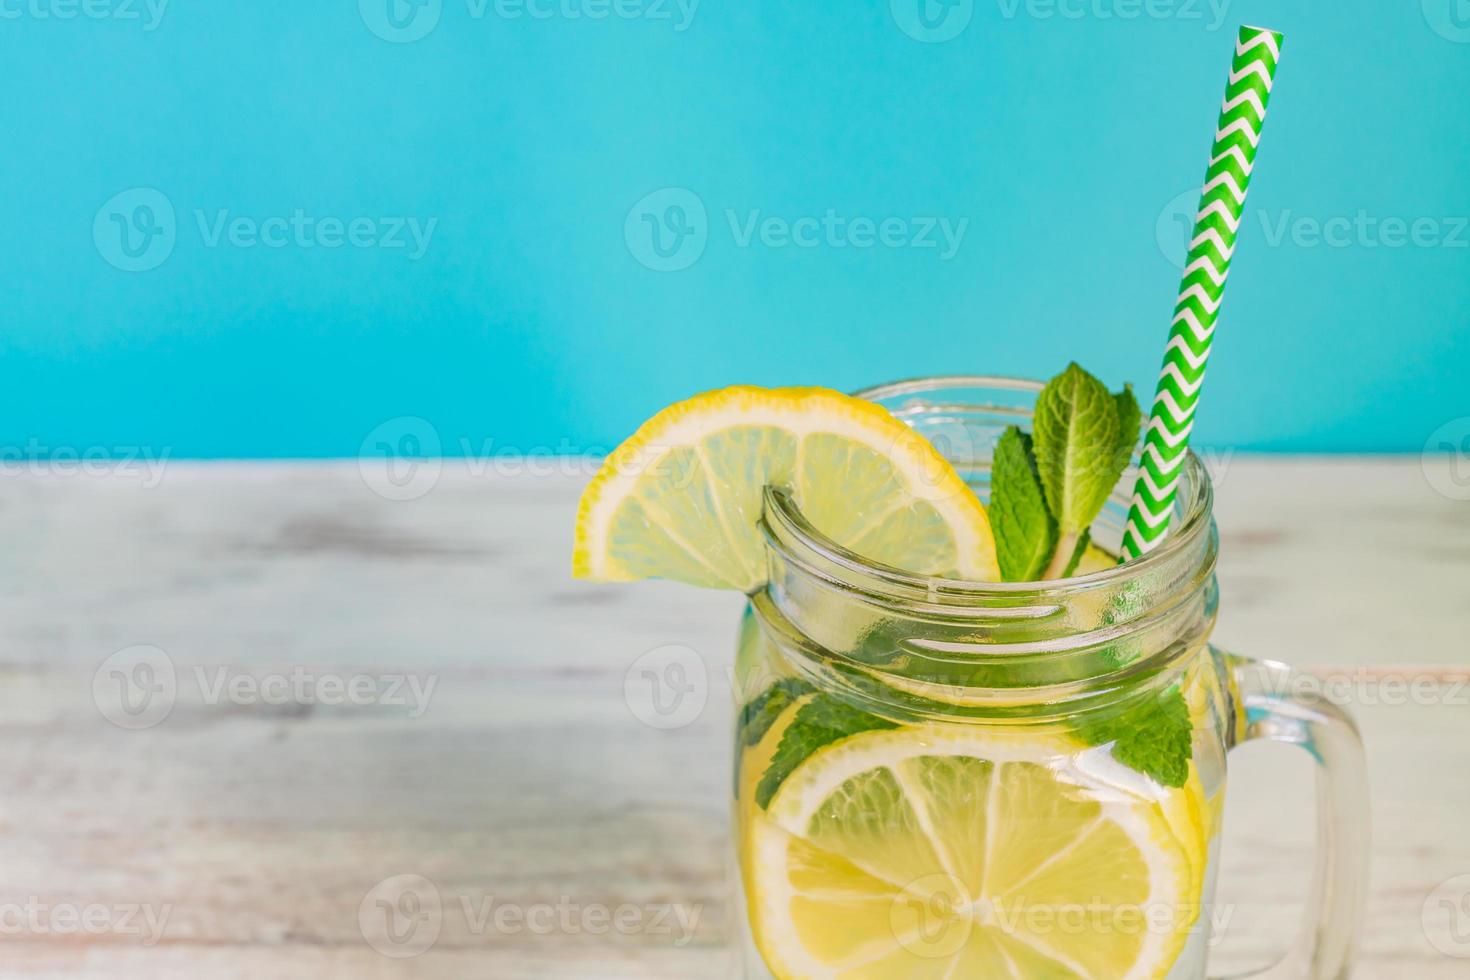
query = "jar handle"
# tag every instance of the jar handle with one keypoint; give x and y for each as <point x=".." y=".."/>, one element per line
<point x="1271" y="702"/>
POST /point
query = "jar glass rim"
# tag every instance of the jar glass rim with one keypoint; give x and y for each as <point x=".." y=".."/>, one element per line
<point x="1185" y="533"/>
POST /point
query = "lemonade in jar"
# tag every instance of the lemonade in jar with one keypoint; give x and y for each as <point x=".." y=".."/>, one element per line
<point x="970" y="741"/>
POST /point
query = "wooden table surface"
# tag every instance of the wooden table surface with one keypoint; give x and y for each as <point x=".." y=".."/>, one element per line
<point x="471" y="728"/>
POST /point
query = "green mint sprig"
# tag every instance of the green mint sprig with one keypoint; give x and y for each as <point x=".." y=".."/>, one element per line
<point x="757" y="717"/>
<point x="820" y="722"/>
<point x="1046" y="489"/>
<point x="1025" y="530"/>
<point x="1154" y="737"/>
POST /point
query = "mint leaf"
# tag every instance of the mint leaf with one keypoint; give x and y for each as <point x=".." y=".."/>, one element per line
<point x="1076" y="442"/>
<point x="1084" y="439"/>
<point x="818" y="723"/>
<point x="757" y="717"/>
<point x="1025" y="531"/>
<point x="1130" y="420"/>
<point x="1153" y="737"/>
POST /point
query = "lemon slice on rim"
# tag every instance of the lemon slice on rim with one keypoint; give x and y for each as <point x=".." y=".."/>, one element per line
<point x="936" y="853"/>
<point x="682" y="497"/>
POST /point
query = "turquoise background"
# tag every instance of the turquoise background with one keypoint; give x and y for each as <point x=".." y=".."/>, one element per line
<point x="537" y="319"/>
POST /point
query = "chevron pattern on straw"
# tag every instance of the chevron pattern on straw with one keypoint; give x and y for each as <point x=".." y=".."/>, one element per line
<point x="1212" y="243"/>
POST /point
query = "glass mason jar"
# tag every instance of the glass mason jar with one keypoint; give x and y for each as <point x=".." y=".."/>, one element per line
<point x="950" y="779"/>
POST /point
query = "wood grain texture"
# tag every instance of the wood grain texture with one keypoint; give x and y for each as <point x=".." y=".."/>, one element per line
<point x="526" y="780"/>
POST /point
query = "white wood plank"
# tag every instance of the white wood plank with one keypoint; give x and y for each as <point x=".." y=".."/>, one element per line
<point x="527" y="776"/>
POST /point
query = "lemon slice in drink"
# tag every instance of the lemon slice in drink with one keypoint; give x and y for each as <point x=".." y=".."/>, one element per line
<point x="1187" y="813"/>
<point x="681" y="498"/>
<point x="930" y="853"/>
<point x="1191" y="814"/>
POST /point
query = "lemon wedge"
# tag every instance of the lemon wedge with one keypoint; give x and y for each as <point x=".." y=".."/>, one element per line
<point x="681" y="499"/>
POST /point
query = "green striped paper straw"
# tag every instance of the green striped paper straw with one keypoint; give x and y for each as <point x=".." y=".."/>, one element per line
<point x="1166" y="443"/>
